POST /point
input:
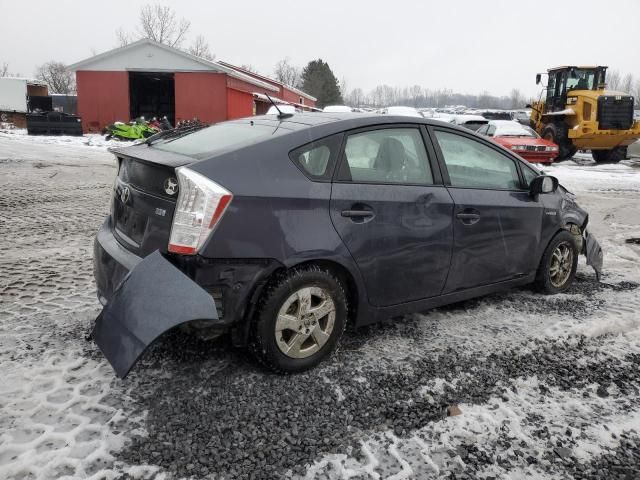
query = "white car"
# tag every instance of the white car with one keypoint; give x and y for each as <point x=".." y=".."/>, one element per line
<point x="444" y="117"/>
<point x="337" y="109"/>
<point x="402" y="111"/>
<point x="472" y="122"/>
<point x="283" y="108"/>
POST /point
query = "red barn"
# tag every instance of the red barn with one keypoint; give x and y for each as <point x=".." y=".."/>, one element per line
<point x="149" y="79"/>
<point x="286" y="92"/>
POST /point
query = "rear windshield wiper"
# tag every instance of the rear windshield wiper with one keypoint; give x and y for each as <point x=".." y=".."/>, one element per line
<point x="172" y="134"/>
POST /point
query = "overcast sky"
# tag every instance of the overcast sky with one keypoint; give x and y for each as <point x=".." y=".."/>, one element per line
<point x="467" y="46"/>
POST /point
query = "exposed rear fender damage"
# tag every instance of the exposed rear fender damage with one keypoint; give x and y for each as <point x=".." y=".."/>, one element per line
<point x="154" y="297"/>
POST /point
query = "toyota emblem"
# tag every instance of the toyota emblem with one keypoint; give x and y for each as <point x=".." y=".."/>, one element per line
<point x="170" y="186"/>
<point x="125" y="194"/>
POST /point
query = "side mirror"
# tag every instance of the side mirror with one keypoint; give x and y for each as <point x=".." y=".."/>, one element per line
<point x="543" y="184"/>
<point x="538" y="78"/>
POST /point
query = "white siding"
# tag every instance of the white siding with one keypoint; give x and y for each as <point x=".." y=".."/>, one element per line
<point x="13" y="94"/>
<point x="144" y="57"/>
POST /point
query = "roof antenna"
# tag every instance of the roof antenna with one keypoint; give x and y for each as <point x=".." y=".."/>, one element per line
<point x="281" y="115"/>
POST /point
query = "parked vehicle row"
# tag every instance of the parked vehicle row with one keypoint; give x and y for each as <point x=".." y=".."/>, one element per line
<point x="282" y="229"/>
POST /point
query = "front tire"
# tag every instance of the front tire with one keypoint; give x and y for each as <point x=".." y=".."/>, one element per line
<point x="558" y="134"/>
<point x="558" y="266"/>
<point x="299" y="319"/>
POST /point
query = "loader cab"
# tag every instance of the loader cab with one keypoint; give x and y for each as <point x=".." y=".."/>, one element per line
<point x="564" y="79"/>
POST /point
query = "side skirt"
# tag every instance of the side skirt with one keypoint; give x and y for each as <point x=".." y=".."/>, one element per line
<point x="372" y="315"/>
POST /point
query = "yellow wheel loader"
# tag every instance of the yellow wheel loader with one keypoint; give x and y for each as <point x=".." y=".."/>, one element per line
<point x="577" y="112"/>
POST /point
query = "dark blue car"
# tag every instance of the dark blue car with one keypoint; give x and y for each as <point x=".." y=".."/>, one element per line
<point x="280" y="230"/>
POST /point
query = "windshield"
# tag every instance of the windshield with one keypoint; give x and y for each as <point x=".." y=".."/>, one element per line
<point x="582" y="79"/>
<point x="222" y="136"/>
<point x="515" y="130"/>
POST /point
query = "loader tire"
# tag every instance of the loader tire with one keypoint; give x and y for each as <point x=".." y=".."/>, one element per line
<point x="609" y="156"/>
<point x="558" y="134"/>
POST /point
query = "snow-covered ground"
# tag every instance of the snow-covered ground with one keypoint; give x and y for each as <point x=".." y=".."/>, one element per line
<point x="88" y="140"/>
<point x="547" y="386"/>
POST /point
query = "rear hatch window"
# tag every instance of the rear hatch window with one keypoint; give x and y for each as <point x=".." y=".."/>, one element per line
<point x="222" y="137"/>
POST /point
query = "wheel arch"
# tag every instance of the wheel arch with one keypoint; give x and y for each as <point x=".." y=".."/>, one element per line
<point x="346" y="278"/>
<point x="353" y="288"/>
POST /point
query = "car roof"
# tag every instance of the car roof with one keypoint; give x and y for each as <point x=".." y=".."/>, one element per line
<point x="300" y="128"/>
<point x="324" y="124"/>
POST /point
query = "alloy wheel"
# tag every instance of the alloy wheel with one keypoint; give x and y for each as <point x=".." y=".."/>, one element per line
<point x="305" y="322"/>
<point x="561" y="264"/>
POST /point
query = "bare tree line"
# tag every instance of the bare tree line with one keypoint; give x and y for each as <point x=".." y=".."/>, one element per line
<point x="4" y="71"/>
<point x="287" y="73"/>
<point x="421" y="97"/>
<point x="59" y="78"/>
<point x="161" y="24"/>
<point x="624" y="82"/>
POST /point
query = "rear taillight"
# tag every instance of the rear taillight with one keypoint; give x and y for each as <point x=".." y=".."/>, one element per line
<point x="200" y="206"/>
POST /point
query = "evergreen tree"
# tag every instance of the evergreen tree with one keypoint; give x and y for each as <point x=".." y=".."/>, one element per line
<point x="318" y="80"/>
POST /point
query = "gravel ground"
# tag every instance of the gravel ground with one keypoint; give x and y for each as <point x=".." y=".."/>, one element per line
<point x="543" y="386"/>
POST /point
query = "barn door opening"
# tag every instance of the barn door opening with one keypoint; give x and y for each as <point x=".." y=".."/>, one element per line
<point x="151" y="95"/>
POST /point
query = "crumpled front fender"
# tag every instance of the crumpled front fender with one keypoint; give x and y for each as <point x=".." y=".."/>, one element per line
<point x="153" y="298"/>
<point x="593" y="252"/>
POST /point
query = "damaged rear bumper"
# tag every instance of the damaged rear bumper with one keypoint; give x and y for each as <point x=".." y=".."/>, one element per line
<point x="152" y="299"/>
<point x="140" y="306"/>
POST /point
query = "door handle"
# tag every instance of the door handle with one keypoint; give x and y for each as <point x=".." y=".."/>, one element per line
<point x="468" y="217"/>
<point x="357" y="213"/>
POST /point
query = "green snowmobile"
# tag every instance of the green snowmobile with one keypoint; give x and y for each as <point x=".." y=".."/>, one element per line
<point x="135" y="130"/>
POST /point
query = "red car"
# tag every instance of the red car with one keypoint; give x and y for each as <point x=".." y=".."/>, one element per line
<point x="520" y="139"/>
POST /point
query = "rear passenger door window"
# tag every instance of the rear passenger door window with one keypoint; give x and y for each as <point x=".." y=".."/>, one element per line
<point x="389" y="155"/>
<point x="472" y="164"/>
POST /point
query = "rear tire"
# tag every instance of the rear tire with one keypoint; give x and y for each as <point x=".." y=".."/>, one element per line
<point x="557" y="268"/>
<point x="609" y="156"/>
<point x="299" y="319"/>
<point x="558" y="134"/>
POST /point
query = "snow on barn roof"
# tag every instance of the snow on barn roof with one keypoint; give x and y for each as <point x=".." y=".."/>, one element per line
<point x="262" y="97"/>
<point x="29" y="81"/>
<point x="148" y="55"/>
<point x="268" y="79"/>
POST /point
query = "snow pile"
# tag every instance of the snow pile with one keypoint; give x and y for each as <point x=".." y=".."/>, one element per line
<point x="87" y="140"/>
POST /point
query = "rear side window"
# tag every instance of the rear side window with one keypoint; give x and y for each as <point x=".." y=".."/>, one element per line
<point x="390" y="155"/>
<point x="317" y="159"/>
<point x="473" y="164"/>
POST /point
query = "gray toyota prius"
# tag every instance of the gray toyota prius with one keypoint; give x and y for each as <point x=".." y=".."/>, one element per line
<point x="280" y="229"/>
